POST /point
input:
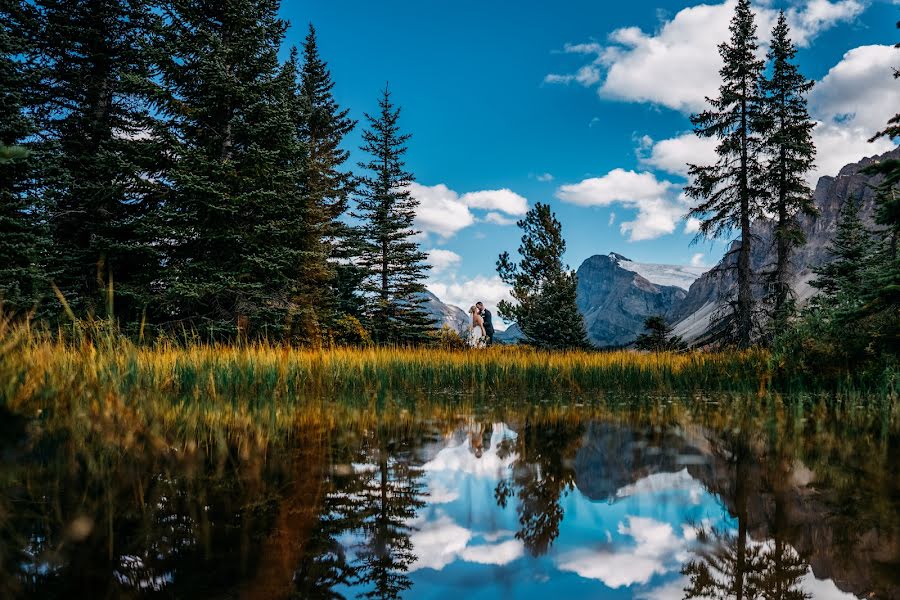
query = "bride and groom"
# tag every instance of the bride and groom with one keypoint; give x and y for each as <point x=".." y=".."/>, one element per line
<point x="482" y="333"/>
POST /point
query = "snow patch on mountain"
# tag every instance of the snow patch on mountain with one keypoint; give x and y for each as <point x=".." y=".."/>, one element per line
<point x="681" y="276"/>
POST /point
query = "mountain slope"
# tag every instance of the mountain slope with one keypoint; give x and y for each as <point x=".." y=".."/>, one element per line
<point x="692" y="315"/>
<point x="615" y="297"/>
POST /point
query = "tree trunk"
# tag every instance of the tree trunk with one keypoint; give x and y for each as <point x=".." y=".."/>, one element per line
<point x="783" y="243"/>
<point x="745" y="299"/>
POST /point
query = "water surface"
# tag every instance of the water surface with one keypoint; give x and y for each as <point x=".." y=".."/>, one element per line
<point x="725" y="499"/>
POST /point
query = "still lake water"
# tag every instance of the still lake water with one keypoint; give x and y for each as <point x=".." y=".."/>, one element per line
<point x="661" y="500"/>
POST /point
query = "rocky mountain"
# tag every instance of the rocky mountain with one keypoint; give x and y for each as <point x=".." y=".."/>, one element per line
<point x="616" y="294"/>
<point x="445" y="314"/>
<point x="512" y="335"/>
<point x="693" y="314"/>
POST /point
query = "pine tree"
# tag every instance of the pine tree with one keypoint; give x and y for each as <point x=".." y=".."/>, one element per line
<point x="787" y="142"/>
<point x="658" y="337"/>
<point x="21" y="234"/>
<point x="98" y="158"/>
<point x="544" y="289"/>
<point x="331" y="278"/>
<point x="394" y="263"/>
<point x="728" y="197"/>
<point x="232" y="216"/>
<point x="842" y="277"/>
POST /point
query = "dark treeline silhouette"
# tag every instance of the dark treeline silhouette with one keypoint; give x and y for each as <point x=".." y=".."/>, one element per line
<point x="161" y="165"/>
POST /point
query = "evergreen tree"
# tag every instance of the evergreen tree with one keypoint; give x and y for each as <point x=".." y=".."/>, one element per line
<point x="729" y="199"/>
<point x="544" y="289"/>
<point x="841" y="278"/>
<point x="787" y="142"/>
<point x="658" y="337"/>
<point x="21" y="235"/>
<point x="394" y="263"/>
<point x="331" y="279"/>
<point x="232" y="217"/>
<point x="98" y="158"/>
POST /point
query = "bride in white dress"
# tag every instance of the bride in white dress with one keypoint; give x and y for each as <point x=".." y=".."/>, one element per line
<point x="477" y="334"/>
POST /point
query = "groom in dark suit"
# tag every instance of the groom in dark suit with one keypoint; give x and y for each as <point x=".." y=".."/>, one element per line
<point x="488" y="324"/>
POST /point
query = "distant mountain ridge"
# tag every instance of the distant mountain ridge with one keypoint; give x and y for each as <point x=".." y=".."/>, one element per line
<point x="616" y="295"/>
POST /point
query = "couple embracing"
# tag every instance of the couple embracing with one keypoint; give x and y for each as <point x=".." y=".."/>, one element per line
<point x="482" y="333"/>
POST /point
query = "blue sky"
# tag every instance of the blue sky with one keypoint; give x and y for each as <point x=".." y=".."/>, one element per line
<point x="580" y="104"/>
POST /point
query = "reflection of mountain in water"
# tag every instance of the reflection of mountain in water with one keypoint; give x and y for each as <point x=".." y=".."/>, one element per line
<point x="613" y="456"/>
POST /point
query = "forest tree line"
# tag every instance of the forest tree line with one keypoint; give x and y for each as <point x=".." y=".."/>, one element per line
<point x="163" y="167"/>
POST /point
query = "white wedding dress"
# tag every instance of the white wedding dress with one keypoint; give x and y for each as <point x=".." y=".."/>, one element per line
<point x="476" y="340"/>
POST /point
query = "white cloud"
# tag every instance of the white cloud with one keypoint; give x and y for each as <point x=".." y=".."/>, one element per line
<point x="494" y="554"/>
<point x="545" y="177"/>
<point x="503" y="200"/>
<point x="673" y="155"/>
<point x="443" y="212"/>
<point x="656" y="551"/>
<point x="618" y="185"/>
<point x="691" y="225"/>
<point x="854" y="100"/>
<point x="697" y="260"/>
<point x="658" y="208"/>
<point x="437" y="542"/>
<point x="440" y="210"/>
<point x="677" y="66"/>
<point x="443" y="260"/>
<point x="496" y="218"/>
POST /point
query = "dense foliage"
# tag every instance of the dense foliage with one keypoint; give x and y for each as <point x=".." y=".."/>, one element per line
<point x="163" y="168"/>
<point x="658" y="337"/>
<point x="544" y="288"/>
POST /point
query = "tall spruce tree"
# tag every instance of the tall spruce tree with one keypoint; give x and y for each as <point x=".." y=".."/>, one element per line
<point x="729" y="198"/>
<point x="332" y="278"/>
<point x="232" y="215"/>
<point x="21" y="234"/>
<point x="787" y="142"/>
<point x="97" y="164"/>
<point x="542" y="286"/>
<point x="841" y="278"/>
<point x="394" y="263"/>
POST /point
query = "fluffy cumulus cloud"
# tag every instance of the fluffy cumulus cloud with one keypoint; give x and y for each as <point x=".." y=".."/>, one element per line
<point x="442" y="260"/>
<point x="677" y="66"/>
<point x="659" y="207"/>
<point x="853" y="101"/>
<point x="656" y="550"/>
<point x="503" y="200"/>
<point x="673" y="155"/>
<point x="440" y="211"/>
<point x="443" y="212"/>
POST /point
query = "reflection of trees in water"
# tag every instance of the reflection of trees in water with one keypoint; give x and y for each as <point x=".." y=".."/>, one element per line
<point x="374" y="502"/>
<point x="729" y="564"/>
<point x="105" y="513"/>
<point x="541" y="475"/>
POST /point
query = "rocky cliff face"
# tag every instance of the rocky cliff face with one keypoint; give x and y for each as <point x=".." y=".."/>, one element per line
<point x="445" y="314"/>
<point x="692" y="315"/>
<point x="615" y="300"/>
